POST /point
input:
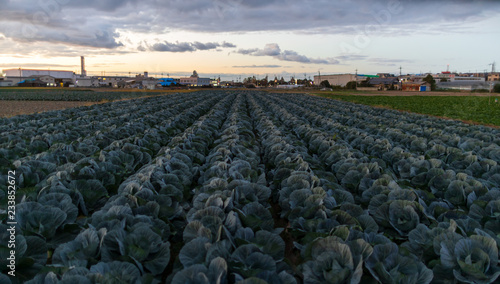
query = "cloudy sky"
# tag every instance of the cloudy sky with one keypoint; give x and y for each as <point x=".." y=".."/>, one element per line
<point x="243" y="37"/>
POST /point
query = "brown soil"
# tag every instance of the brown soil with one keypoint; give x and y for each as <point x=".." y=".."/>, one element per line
<point x="12" y="108"/>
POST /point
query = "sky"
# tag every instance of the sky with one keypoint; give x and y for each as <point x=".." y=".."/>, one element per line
<point x="238" y="38"/>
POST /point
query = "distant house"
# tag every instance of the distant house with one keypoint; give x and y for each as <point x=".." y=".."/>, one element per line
<point x="383" y="84"/>
<point x="416" y="87"/>
<point x="493" y="77"/>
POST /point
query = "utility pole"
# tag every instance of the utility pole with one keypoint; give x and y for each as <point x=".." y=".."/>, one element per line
<point x="319" y="73"/>
<point x="400" y="78"/>
<point x="356" y="80"/>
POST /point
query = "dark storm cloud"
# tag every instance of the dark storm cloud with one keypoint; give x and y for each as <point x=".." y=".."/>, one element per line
<point x="96" y="23"/>
<point x="183" y="46"/>
<point x="273" y="50"/>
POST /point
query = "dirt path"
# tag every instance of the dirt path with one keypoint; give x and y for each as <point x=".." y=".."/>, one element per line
<point x="12" y="108"/>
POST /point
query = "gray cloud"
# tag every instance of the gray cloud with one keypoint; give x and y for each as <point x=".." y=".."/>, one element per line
<point x="95" y="23"/>
<point x="183" y="46"/>
<point x="227" y="45"/>
<point x="273" y="50"/>
<point x="247" y="51"/>
<point x="351" y="57"/>
<point x="205" y="46"/>
<point x="172" y="47"/>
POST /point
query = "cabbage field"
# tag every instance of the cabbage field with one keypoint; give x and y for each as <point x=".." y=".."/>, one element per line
<point x="248" y="187"/>
<point x="78" y="95"/>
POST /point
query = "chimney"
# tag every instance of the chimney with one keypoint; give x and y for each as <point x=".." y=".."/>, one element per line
<point x="84" y="73"/>
<point x="146" y="74"/>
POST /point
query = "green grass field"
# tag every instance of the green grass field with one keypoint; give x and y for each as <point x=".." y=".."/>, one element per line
<point x="481" y="110"/>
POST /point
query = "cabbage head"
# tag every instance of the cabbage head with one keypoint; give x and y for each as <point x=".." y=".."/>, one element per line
<point x="473" y="259"/>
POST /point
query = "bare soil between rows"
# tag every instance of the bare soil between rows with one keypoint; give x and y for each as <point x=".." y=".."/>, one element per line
<point x="13" y="108"/>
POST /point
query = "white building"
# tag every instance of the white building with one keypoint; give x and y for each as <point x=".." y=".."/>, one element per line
<point x="195" y="81"/>
<point x="20" y="74"/>
<point x="335" y="80"/>
<point x="87" y="82"/>
<point x="6" y="83"/>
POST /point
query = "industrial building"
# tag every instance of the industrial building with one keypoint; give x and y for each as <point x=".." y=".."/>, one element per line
<point x="335" y="80"/>
<point x="55" y="77"/>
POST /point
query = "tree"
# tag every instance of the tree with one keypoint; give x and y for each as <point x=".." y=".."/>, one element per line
<point x="325" y="84"/>
<point x="429" y="79"/>
<point x="496" y="88"/>
<point x="351" y="85"/>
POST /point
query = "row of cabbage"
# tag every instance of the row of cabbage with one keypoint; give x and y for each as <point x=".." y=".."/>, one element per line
<point x="67" y="189"/>
<point x="414" y="199"/>
<point x="269" y="188"/>
<point x="71" y="95"/>
<point x="231" y="234"/>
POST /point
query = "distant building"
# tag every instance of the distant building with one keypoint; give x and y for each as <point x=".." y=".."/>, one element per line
<point x="87" y="82"/>
<point x="150" y="83"/>
<point x="416" y="87"/>
<point x="168" y="82"/>
<point x="385" y="83"/>
<point x="335" y="80"/>
<point x="493" y="77"/>
<point x="20" y="74"/>
<point x="33" y="82"/>
<point x="111" y="81"/>
<point x="385" y="75"/>
<point x="49" y="80"/>
<point x="195" y="81"/>
<point x="6" y="83"/>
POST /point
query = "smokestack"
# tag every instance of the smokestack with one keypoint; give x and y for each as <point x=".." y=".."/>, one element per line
<point x="84" y="73"/>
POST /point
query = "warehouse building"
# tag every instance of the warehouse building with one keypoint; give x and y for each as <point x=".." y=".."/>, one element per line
<point x="60" y="77"/>
<point x="335" y="80"/>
